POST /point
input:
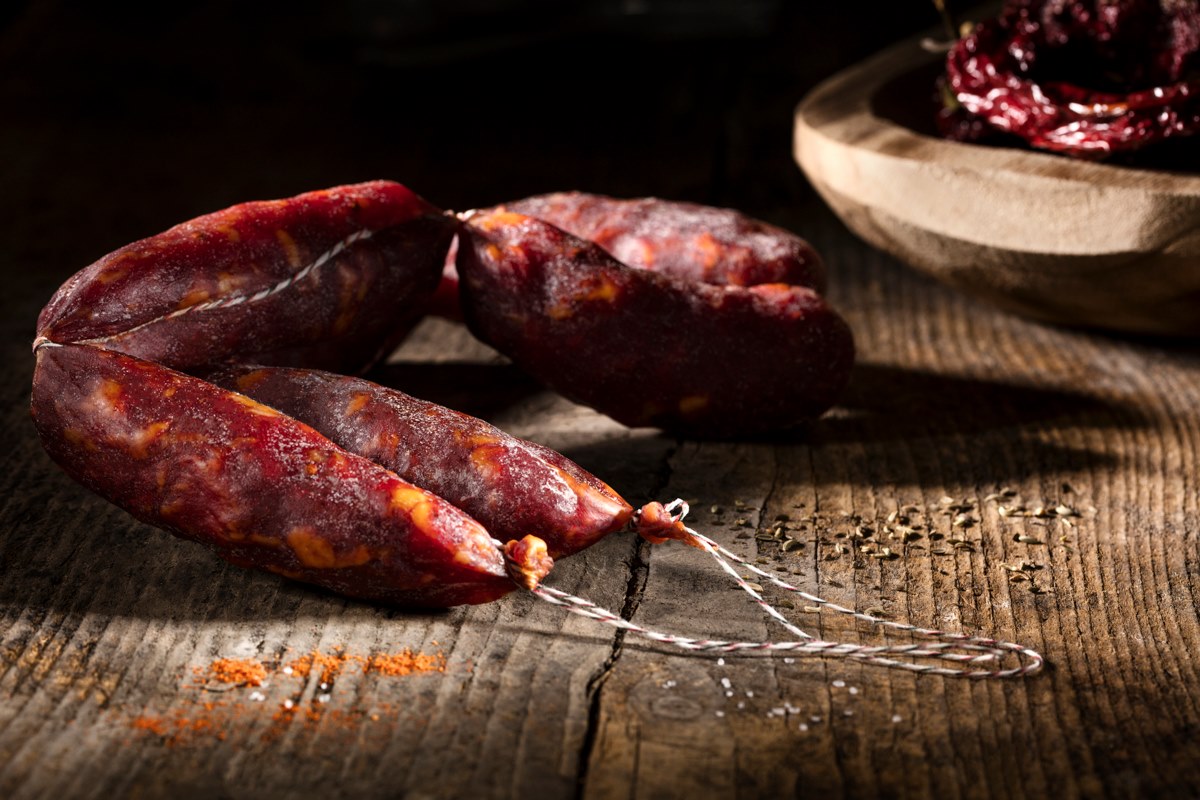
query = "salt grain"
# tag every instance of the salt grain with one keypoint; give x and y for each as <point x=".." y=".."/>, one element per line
<point x="838" y="684"/>
<point x="853" y="690"/>
<point x="802" y="727"/>
<point x="896" y="718"/>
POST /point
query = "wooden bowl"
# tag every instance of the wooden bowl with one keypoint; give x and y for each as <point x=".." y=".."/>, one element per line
<point x="1047" y="236"/>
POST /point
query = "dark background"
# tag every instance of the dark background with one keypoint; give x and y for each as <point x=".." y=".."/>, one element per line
<point x="116" y="123"/>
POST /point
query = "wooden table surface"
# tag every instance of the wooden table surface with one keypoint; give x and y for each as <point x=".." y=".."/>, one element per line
<point x="113" y="131"/>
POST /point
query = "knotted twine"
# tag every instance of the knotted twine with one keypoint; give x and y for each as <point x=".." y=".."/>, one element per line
<point x="659" y="523"/>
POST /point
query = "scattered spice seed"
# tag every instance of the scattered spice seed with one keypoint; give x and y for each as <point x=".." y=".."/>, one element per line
<point x="183" y="727"/>
<point x="406" y="662"/>
<point x="329" y="667"/>
<point x="245" y="672"/>
<point x="196" y="721"/>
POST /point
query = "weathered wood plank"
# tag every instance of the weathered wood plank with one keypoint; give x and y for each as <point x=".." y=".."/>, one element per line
<point x="106" y="619"/>
<point x="102" y="620"/>
<point x="952" y="400"/>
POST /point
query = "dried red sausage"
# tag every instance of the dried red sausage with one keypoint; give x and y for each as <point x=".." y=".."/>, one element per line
<point x="512" y="486"/>
<point x="254" y="485"/>
<point x="327" y="279"/>
<point x="647" y="348"/>
<point x="685" y="240"/>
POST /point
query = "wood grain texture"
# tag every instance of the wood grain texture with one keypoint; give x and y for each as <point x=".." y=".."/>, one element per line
<point x="102" y="620"/>
<point x="953" y="400"/>
<point x="1050" y="237"/>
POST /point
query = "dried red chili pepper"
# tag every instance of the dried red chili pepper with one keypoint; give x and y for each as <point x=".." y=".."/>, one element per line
<point x="1084" y="78"/>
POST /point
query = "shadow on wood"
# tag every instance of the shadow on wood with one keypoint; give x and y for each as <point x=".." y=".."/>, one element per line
<point x="479" y="389"/>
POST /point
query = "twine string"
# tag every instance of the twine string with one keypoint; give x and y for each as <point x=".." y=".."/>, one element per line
<point x="237" y="299"/>
<point x="967" y="652"/>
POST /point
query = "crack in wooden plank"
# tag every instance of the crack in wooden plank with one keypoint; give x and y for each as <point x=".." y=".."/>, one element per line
<point x="635" y="589"/>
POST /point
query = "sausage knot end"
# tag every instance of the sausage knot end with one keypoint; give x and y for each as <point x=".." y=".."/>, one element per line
<point x="527" y="561"/>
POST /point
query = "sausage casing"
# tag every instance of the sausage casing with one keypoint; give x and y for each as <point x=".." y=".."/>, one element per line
<point x="512" y="486"/>
<point x="257" y="487"/>
<point x="646" y="348"/>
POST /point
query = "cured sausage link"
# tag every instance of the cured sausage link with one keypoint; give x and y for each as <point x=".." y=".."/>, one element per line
<point x="512" y="486"/>
<point x="254" y="485"/>
<point x="685" y="240"/>
<point x="328" y="279"/>
<point x="645" y="348"/>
